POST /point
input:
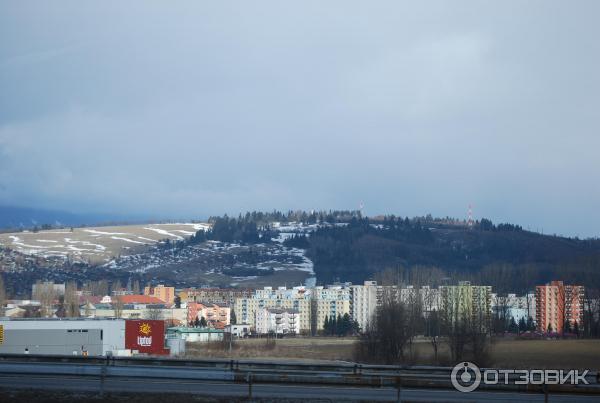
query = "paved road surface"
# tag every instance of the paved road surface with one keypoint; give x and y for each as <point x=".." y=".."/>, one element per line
<point x="218" y="389"/>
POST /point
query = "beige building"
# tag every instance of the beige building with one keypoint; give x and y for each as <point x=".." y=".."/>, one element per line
<point x="215" y="295"/>
<point x="166" y="294"/>
<point x="216" y="315"/>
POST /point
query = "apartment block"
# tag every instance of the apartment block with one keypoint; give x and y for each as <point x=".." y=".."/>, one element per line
<point x="215" y="295"/>
<point x="166" y="294"/>
<point x="296" y="298"/>
<point x="216" y="315"/>
<point x="278" y="321"/>
<point x="517" y="306"/>
<point x="364" y="301"/>
<point x="467" y="302"/>
<point x="557" y="304"/>
<point x="313" y="305"/>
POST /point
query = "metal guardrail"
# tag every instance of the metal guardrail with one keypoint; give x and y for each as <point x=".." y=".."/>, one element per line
<point x="222" y="363"/>
<point x="252" y="371"/>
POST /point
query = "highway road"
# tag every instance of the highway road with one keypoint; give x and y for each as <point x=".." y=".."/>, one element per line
<point x="268" y="391"/>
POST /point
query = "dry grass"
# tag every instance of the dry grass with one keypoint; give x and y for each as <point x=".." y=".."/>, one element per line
<point x="505" y="353"/>
<point x="299" y="348"/>
<point x="550" y="354"/>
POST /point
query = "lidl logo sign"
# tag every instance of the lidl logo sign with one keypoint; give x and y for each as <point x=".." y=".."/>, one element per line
<point x="145" y="335"/>
<point x="145" y="328"/>
<point x="145" y="340"/>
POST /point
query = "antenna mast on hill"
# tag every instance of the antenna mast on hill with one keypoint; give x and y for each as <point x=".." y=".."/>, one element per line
<point x="470" y="217"/>
<point x="361" y="206"/>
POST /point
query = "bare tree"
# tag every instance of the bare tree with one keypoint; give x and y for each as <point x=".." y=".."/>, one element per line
<point x="391" y="276"/>
<point x="414" y="311"/>
<point x="426" y="275"/>
<point x="71" y="301"/>
<point x="45" y="294"/>
<point x="154" y="314"/>
<point x="455" y="326"/>
<point x="2" y="295"/>
<point x="466" y="328"/>
<point x="117" y="304"/>
<point x="115" y="287"/>
<point x="501" y="318"/>
<point x="431" y="315"/>
<point x="98" y="288"/>
<point x="387" y="335"/>
<point x="591" y="313"/>
<point x="136" y="287"/>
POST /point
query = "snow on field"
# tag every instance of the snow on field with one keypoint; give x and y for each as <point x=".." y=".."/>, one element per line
<point x="97" y="233"/>
<point x="98" y="244"/>
<point x="85" y="243"/>
<point x="189" y="233"/>
<point x="118" y="238"/>
<point x="164" y="232"/>
<point x="195" y="226"/>
<point x="198" y="226"/>
<point x="76" y="249"/>
<point x="136" y="248"/>
<point x="17" y="241"/>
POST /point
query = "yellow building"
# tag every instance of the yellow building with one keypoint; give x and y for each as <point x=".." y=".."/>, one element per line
<point x="466" y="302"/>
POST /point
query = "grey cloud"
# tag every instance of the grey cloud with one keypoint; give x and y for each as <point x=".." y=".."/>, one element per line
<point x="200" y="108"/>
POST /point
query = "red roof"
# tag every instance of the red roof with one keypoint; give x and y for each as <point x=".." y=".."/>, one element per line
<point x="139" y="299"/>
<point x="92" y="299"/>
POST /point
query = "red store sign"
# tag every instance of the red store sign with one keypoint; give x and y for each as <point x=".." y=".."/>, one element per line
<point x="146" y="336"/>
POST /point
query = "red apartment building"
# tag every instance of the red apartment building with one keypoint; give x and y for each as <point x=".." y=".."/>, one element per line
<point x="557" y="304"/>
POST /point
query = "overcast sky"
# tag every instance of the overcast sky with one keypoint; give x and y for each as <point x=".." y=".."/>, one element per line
<point x="188" y="109"/>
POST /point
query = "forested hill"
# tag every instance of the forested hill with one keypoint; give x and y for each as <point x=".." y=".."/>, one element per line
<point x="347" y="247"/>
<point x="505" y="255"/>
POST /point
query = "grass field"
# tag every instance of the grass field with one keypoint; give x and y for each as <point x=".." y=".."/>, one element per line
<point x="505" y="353"/>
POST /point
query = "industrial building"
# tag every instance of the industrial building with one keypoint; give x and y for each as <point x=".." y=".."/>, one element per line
<point x="62" y="336"/>
<point x="195" y="334"/>
<point x="86" y="337"/>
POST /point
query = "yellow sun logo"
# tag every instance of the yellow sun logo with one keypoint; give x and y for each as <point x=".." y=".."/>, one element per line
<point x="145" y="329"/>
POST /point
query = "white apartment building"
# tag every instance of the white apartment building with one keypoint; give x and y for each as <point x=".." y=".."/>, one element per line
<point x="239" y="330"/>
<point x="316" y="304"/>
<point x="296" y="298"/>
<point x="430" y="298"/>
<point x="313" y="305"/>
<point x="517" y="306"/>
<point x="278" y="321"/>
<point x="365" y="299"/>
